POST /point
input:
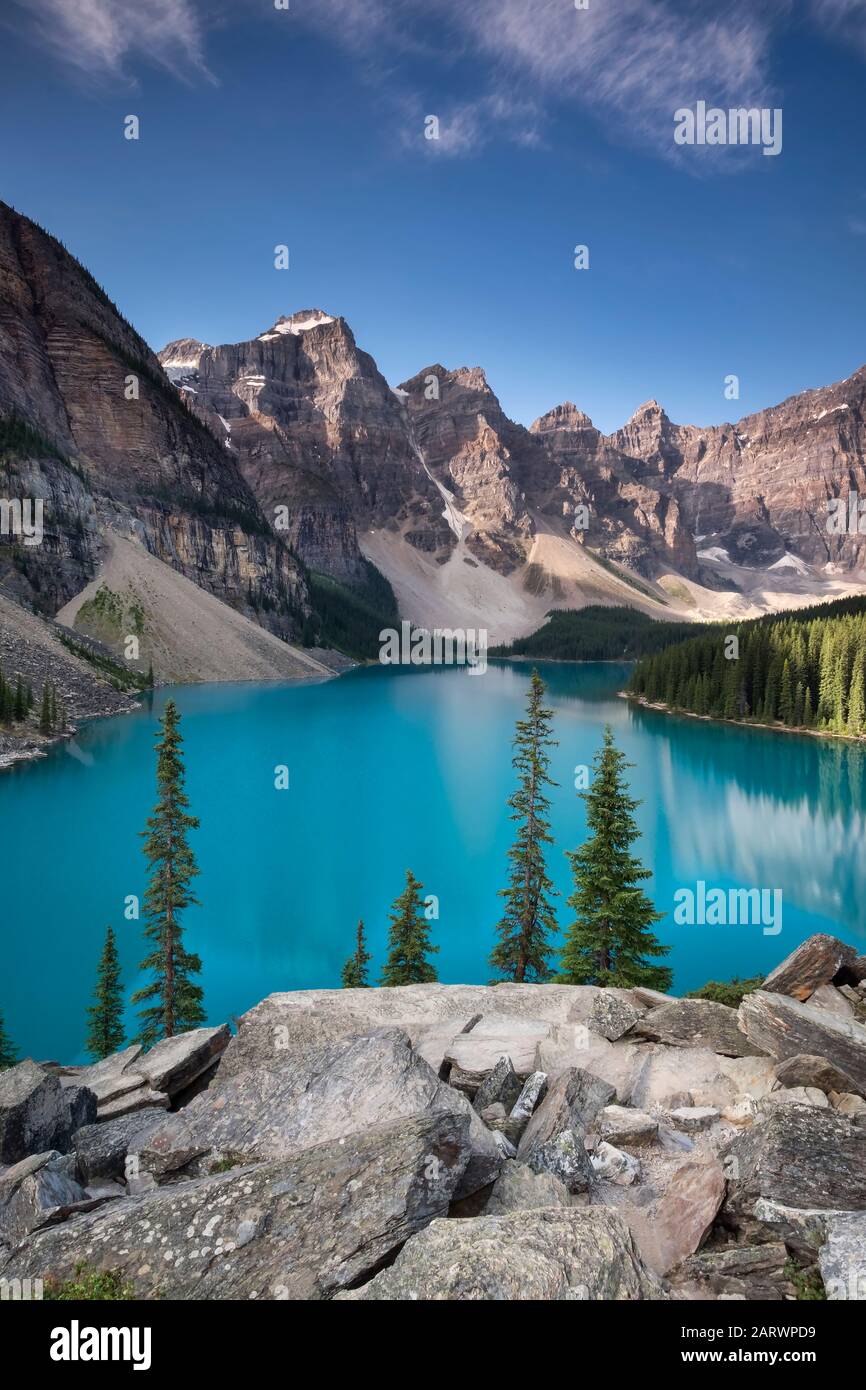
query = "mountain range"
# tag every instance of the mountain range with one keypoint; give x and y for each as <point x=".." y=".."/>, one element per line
<point x="284" y="477"/>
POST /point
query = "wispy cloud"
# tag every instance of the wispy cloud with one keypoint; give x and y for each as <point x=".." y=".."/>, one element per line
<point x="102" y="37"/>
<point x="844" y="19"/>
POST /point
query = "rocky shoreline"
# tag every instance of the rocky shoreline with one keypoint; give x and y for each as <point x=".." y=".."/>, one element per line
<point x="461" y="1141"/>
<point x="661" y="708"/>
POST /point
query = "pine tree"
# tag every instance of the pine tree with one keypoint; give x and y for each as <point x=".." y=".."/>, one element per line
<point x="354" y="973"/>
<point x="409" y="941"/>
<point x="45" y="714"/>
<point x="105" y="1015"/>
<point x="857" y="700"/>
<point x="19" y="711"/>
<point x="609" y="940"/>
<point x="8" y="1054"/>
<point x="178" y="1005"/>
<point x="524" y="947"/>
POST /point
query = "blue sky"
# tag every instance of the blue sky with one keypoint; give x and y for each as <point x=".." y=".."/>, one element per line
<point x="306" y="127"/>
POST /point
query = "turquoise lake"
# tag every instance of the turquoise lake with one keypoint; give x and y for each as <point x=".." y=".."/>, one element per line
<point x="392" y="770"/>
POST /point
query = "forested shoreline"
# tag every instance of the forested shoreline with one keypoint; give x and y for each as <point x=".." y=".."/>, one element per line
<point x="800" y="671"/>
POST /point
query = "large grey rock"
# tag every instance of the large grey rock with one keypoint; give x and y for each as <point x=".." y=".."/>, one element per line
<point x="140" y="1099"/>
<point x="832" y="1001"/>
<point x="750" y="1272"/>
<point x="794" y="1095"/>
<point x="35" y="1191"/>
<point x="316" y="1016"/>
<point x="663" y="1074"/>
<point x="785" y="1028"/>
<point x="803" y="1229"/>
<point x="566" y="1158"/>
<point x="574" y="1098"/>
<point x="553" y="1139"/>
<point x="553" y="1255"/>
<point x="621" y="1125"/>
<point x="696" y="1023"/>
<point x="319" y="1093"/>
<point x="799" y="1156"/>
<point x="113" y="1076"/>
<point x="806" y="1070"/>
<point x="519" y="1189"/>
<point x="534" y="1089"/>
<point x="174" y="1063"/>
<point x="34" y="1114"/>
<point x="612" y="1016"/>
<point x="291" y="1228"/>
<point x="102" y="1148"/>
<point x="472" y="1056"/>
<point x="842" y="1258"/>
<point x="502" y="1087"/>
<point x="81" y="1104"/>
<point x="816" y="962"/>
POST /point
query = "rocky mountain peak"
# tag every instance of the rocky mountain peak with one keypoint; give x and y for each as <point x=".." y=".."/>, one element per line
<point x="650" y="410"/>
<point x="562" y="417"/>
<point x="300" y="322"/>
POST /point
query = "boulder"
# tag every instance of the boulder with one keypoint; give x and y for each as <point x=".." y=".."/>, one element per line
<point x="612" y="1016"/>
<point x="662" y="1075"/>
<point x="832" y="1000"/>
<point x="554" y="1255"/>
<point x="816" y="962"/>
<point x="534" y="1089"/>
<point x="471" y="1056"/>
<point x="696" y="1023"/>
<point x="81" y="1104"/>
<point x="553" y="1141"/>
<point x="806" y="1070"/>
<point x="174" y="1063"/>
<point x="519" y="1189"/>
<point x="799" y="1156"/>
<point x="847" y="1103"/>
<point x="304" y="1018"/>
<point x="101" y="1148"/>
<point x="842" y="1258"/>
<point x="612" y="1165"/>
<point x="794" y="1095"/>
<point x="693" y="1118"/>
<point x="751" y="1272"/>
<point x="38" y="1190"/>
<point x="621" y="1125"/>
<point x="300" y="1227"/>
<point x="140" y="1098"/>
<point x="319" y="1094"/>
<point x="113" y="1076"/>
<point x="785" y="1028"/>
<point x="503" y="1086"/>
<point x="678" y="1223"/>
<point x="803" y="1230"/>
<point x="34" y="1114"/>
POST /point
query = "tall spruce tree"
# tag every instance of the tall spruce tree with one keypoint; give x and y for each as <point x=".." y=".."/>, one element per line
<point x="409" y="941"/>
<point x="610" y="939"/>
<point x="105" y="1016"/>
<point x="8" y="1053"/>
<point x="177" y="1000"/>
<point x="355" y="971"/>
<point x="524" y="947"/>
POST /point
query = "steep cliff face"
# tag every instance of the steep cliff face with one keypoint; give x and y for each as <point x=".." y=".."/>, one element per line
<point x="760" y="487"/>
<point x="632" y="518"/>
<point x="480" y="456"/>
<point x="90" y="424"/>
<point x="318" y="434"/>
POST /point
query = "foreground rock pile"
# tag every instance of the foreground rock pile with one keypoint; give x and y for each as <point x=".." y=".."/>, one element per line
<point x="453" y="1142"/>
